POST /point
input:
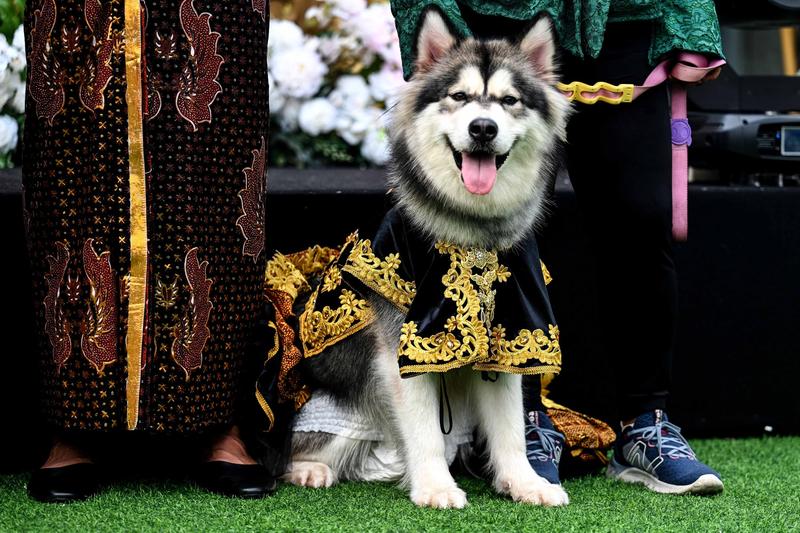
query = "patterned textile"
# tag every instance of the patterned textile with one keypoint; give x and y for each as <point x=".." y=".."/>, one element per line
<point x="689" y="25"/>
<point x="144" y="175"/>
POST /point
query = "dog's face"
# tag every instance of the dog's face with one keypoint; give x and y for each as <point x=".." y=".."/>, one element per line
<point x="479" y="119"/>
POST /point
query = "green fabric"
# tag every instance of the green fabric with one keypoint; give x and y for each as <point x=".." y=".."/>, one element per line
<point x="689" y="25"/>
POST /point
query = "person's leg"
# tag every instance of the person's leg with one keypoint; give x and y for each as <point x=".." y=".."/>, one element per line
<point x="66" y="452"/>
<point x="619" y="158"/>
<point x="230" y="448"/>
<point x="619" y="162"/>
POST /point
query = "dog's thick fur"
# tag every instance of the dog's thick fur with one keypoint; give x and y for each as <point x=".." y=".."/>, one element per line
<point x="513" y="85"/>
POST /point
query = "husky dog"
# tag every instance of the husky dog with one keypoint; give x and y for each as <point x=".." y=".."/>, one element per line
<point x="475" y="143"/>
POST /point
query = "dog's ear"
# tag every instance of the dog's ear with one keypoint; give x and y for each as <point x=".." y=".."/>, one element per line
<point x="434" y="40"/>
<point x="539" y="46"/>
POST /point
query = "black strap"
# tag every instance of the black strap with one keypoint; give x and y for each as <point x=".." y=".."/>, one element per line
<point x="444" y="400"/>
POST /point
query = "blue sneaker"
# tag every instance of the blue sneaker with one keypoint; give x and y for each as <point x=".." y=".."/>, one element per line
<point x="543" y="446"/>
<point x="653" y="452"/>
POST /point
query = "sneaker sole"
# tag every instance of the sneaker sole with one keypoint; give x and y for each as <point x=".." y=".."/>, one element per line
<point x="704" y="485"/>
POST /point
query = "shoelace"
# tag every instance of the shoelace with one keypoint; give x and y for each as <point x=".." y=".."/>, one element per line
<point x="548" y="440"/>
<point x="670" y="442"/>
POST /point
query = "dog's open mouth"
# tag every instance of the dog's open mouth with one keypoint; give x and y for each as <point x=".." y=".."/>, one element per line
<point x="478" y="169"/>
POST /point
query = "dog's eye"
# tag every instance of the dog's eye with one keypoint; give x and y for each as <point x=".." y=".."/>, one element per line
<point x="509" y="100"/>
<point x="460" y="96"/>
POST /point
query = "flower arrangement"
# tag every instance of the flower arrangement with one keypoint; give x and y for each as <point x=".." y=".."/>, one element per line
<point x="12" y="78"/>
<point x="332" y="76"/>
<point x="334" y="70"/>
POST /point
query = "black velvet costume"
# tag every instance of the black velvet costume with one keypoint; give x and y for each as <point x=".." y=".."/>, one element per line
<point x="462" y="306"/>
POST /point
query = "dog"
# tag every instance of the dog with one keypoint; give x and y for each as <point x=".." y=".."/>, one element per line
<point x="475" y="142"/>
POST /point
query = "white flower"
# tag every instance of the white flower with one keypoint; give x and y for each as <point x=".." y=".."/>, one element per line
<point x="317" y="116"/>
<point x="375" y="147"/>
<point x="4" y="55"/>
<point x="284" y="34"/>
<point x="276" y="98"/>
<point x="353" y="123"/>
<point x="375" y="27"/>
<point x="5" y="73"/>
<point x="289" y="115"/>
<point x="391" y="54"/>
<point x="8" y="134"/>
<point x="10" y="57"/>
<point x="318" y="15"/>
<point x="351" y="92"/>
<point x="18" y="41"/>
<point x="7" y="87"/>
<point x="18" y="101"/>
<point x="330" y="46"/>
<point x="385" y="84"/>
<point x="298" y="72"/>
<point x="16" y="59"/>
<point x="347" y="8"/>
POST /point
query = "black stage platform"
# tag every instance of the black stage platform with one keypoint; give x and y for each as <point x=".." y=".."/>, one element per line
<point x="738" y="355"/>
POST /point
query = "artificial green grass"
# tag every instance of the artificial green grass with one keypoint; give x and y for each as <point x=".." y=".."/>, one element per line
<point x="762" y="493"/>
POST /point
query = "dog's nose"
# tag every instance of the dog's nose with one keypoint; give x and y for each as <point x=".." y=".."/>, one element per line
<point x="483" y="129"/>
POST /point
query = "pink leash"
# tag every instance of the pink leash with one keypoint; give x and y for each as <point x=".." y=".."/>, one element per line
<point x="686" y="68"/>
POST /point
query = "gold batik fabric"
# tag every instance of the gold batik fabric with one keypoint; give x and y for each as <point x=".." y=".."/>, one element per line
<point x="288" y="282"/>
<point x="144" y="181"/>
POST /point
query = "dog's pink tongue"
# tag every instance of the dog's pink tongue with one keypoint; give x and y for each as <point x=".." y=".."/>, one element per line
<point x="479" y="172"/>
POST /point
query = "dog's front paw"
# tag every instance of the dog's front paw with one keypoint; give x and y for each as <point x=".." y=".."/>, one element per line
<point x="310" y="474"/>
<point x="450" y="497"/>
<point x="538" y="492"/>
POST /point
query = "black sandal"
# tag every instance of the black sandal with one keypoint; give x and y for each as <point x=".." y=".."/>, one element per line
<point x="235" y="480"/>
<point x="65" y="484"/>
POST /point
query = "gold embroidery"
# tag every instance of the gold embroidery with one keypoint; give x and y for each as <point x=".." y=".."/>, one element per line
<point x="282" y="275"/>
<point x="546" y="273"/>
<point x="289" y="273"/>
<point x="320" y="329"/>
<point x="331" y="279"/>
<point x="314" y="260"/>
<point x="465" y="337"/>
<point x="492" y="271"/>
<point x="527" y="345"/>
<point x="380" y="275"/>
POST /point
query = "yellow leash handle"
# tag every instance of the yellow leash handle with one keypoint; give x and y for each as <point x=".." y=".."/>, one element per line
<point x="599" y="92"/>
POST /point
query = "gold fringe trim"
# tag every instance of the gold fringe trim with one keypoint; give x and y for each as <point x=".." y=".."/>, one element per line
<point x="527" y="371"/>
<point x="276" y="342"/>
<point x="137" y="298"/>
<point x="266" y="408"/>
